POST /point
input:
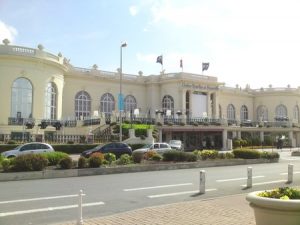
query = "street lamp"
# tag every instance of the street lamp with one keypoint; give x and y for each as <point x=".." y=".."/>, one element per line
<point x="121" y="103"/>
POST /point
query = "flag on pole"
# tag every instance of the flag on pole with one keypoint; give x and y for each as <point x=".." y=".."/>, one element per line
<point x="205" y="66"/>
<point x="181" y="63"/>
<point x="159" y="59"/>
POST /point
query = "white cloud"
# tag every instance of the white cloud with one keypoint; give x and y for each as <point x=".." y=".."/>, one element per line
<point x="133" y="10"/>
<point x="8" y="32"/>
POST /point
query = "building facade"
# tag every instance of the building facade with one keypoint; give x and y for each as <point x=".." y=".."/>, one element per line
<point x="43" y="94"/>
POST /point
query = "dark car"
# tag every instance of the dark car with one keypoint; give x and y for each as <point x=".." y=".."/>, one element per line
<point x="116" y="148"/>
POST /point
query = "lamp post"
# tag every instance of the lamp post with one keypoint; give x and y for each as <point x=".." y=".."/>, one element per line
<point x="123" y="45"/>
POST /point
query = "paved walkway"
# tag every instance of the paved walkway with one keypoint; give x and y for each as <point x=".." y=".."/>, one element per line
<point x="229" y="210"/>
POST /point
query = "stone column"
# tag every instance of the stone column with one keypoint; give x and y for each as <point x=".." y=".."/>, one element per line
<point x="239" y="134"/>
<point x="160" y="135"/>
<point x="291" y="138"/>
<point x="208" y="105"/>
<point x="224" y="139"/>
<point x="262" y="136"/>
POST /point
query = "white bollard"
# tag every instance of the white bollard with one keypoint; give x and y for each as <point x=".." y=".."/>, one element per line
<point x="202" y="182"/>
<point x="249" y="177"/>
<point x="80" y="220"/>
<point x="290" y="173"/>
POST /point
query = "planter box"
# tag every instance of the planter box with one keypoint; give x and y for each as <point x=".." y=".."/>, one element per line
<point x="270" y="211"/>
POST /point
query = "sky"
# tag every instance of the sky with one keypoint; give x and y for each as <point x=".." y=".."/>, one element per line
<point x="253" y="42"/>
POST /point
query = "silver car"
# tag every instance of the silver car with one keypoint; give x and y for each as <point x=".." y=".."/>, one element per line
<point x="158" y="147"/>
<point x="176" y="144"/>
<point x="33" y="147"/>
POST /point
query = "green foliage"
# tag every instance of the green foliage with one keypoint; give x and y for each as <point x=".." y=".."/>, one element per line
<point x="96" y="160"/>
<point x="6" y="165"/>
<point x="284" y="193"/>
<point x="229" y="155"/>
<point x="178" y="156"/>
<point x="209" y="154"/>
<point x="66" y="162"/>
<point x="156" y="157"/>
<point x="110" y="157"/>
<point x="73" y="148"/>
<point x="54" y="157"/>
<point x="12" y="142"/>
<point x="30" y="162"/>
<point x="1" y="158"/>
<point x="125" y="159"/>
<point x="149" y="154"/>
<point x="197" y="153"/>
<point x="137" y="157"/>
<point x="246" y="153"/>
<point x="82" y="162"/>
<point x="269" y="155"/>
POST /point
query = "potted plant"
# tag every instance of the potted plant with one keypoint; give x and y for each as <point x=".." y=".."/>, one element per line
<point x="276" y="207"/>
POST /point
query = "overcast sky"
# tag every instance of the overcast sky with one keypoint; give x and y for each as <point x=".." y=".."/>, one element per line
<point x="253" y="42"/>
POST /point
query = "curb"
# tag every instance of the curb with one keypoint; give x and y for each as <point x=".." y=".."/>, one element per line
<point x="50" y="174"/>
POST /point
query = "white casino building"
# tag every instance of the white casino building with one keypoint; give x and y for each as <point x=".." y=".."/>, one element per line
<point x="39" y="88"/>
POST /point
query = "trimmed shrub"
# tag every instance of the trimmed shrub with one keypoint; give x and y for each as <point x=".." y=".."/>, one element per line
<point x="96" y="160"/>
<point x="149" y="154"/>
<point x="246" y="154"/>
<point x="269" y="155"/>
<point x="221" y="155"/>
<point x="156" y="157"/>
<point x="29" y="162"/>
<point x="73" y="149"/>
<point x="137" y="157"/>
<point x="82" y="162"/>
<point x="6" y="165"/>
<point x="125" y="159"/>
<point x="54" y="157"/>
<point x="209" y="154"/>
<point x="229" y="155"/>
<point x="170" y="155"/>
<point x="12" y="142"/>
<point x="178" y="156"/>
<point x="110" y="157"/>
<point x="190" y="157"/>
<point x="66" y="162"/>
<point x="197" y="153"/>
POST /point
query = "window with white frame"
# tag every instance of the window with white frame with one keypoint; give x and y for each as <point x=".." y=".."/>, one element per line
<point x="168" y="103"/>
<point x="230" y="112"/>
<point x="82" y="104"/>
<point x="50" y="101"/>
<point x="21" y="98"/>
<point x="130" y="103"/>
<point x="244" y="113"/>
<point x="107" y="103"/>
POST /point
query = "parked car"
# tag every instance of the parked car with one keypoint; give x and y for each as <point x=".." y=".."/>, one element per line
<point x="158" y="147"/>
<point x="176" y="144"/>
<point x="117" y="148"/>
<point x="32" y="147"/>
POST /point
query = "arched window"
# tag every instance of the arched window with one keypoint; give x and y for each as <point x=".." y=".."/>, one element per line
<point x="296" y="114"/>
<point x="280" y="112"/>
<point x="21" y="98"/>
<point x="82" y="104"/>
<point x="262" y="113"/>
<point x="168" y="103"/>
<point x="50" y="101"/>
<point x="230" y="112"/>
<point x="244" y="113"/>
<point x="130" y="103"/>
<point x="107" y="103"/>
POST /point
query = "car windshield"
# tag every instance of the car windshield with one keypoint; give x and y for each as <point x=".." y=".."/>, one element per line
<point x="174" y="142"/>
<point x="147" y="146"/>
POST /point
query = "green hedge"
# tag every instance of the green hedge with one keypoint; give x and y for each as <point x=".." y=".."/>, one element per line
<point x="178" y="156"/>
<point x="246" y="154"/>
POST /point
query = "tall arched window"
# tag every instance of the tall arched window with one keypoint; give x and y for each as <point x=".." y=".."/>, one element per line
<point x="168" y="103"/>
<point x="130" y="103"/>
<point x="262" y="113"/>
<point x="296" y="114"/>
<point x="107" y="103"/>
<point x="230" y="112"/>
<point x="50" y="101"/>
<point x="280" y="112"/>
<point x="244" y="113"/>
<point x="21" y="98"/>
<point x="82" y="104"/>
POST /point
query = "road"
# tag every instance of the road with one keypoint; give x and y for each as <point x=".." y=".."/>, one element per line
<point x="55" y="200"/>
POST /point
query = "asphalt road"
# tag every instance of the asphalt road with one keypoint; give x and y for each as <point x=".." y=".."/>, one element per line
<point x="55" y="200"/>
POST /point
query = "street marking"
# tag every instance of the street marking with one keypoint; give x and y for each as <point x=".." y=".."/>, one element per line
<point x="241" y="178"/>
<point x="48" y="209"/>
<point x="296" y="172"/>
<point x="39" y="199"/>
<point x="155" y="187"/>
<point x="269" y="182"/>
<point x="178" y="193"/>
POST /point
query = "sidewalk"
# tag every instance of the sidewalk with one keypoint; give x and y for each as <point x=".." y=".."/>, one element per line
<point x="229" y="210"/>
